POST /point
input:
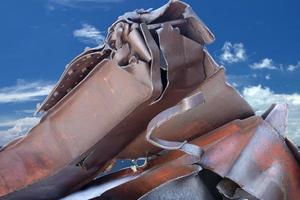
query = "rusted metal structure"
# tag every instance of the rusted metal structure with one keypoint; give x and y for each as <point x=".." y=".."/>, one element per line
<point x="244" y="159"/>
<point x="152" y="91"/>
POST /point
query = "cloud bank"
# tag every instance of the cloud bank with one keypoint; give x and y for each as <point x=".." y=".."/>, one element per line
<point x="22" y="92"/>
<point x="25" y="91"/>
<point x="16" y="128"/>
<point x="260" y="98"/>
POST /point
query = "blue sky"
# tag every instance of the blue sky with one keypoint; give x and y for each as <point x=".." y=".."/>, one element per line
<point x="257" y="42"/>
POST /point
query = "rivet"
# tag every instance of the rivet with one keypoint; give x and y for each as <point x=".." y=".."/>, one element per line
<point x="84" y="69"/>
<point x="55" y="93"/>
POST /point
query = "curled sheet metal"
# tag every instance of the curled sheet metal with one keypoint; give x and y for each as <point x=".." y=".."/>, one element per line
<point x="174" y="11"/>
<point x="258" y="160"/>
<point x="185" y="105"/>
<point x="198" y="121"/>
<point x="139" y="186"/>
<point x="191" y="26"/>
<point x="277" y="116"/>
<point x="181" y="80"/>
<point x="104" y="99"/>
<point x="251" y="158"/>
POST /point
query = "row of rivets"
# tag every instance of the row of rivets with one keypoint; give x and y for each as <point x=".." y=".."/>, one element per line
<point x="72" y="74"/>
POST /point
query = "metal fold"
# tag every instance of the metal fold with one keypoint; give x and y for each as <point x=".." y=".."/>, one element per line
<point x="249" y="156"/>
<point x="197" y="121"/>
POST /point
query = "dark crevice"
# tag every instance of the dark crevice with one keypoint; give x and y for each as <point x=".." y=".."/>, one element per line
<point x="211" y="181"/>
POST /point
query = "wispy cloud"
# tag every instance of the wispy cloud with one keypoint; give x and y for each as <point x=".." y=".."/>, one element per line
<point x="260" y="98"/>
<point x="292" y="68"/>
<point x="265" y="63"/>
<point x="89" y="34"/>
<point x="268" y="77"/>
<point x="233" y="53"/>
<point x="269" y="64"/>
<point x="242" y="80"/>
<point x="25" y="91"/>
<point x="80" y="3"/>
<point x="15" y="128"/>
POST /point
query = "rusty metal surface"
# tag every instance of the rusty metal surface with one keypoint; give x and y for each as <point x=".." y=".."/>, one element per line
<point x="198" y="121"/>
<point x="250" y="156"/>
<point x="159" y="174"/>
<point x="180" y="80"/>
<point x="188" y="187"/>
<point x="58" y="141"/>
<point x="153" y="71"/>
<point x="89" y="111"/>
<point x="74" y="73"/>
<point x="139" y="186"/>
<point x="258" y="160"/>
<point x="175" y="157"/>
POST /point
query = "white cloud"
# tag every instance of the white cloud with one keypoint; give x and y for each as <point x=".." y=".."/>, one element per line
<point x="268" y="63"/>
<point x="26" y="111"/>
<point x="25" y="91"/>
<point x="75" y="3"/>
<point x="16" y="128"/>
<point x="89" y="34"/>
<point x="268" y="77"/>
<point x="292" y="68"/>
<point x="265" y="63"/>
<point x="233" y="53"/>
<point x="261" y="98"/>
